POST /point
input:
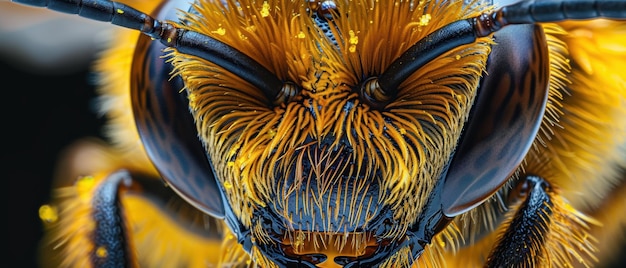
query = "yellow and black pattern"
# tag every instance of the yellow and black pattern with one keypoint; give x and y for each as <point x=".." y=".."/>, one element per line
<point x="321" y="153"/>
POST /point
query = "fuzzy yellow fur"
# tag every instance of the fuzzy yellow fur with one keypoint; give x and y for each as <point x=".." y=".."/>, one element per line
<point x="579" y="150"/>
<point x="249" y="142"/>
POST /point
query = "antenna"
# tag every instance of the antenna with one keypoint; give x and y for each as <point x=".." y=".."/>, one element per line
<point x="467" y="31"/>
<point x="188" y="42"/>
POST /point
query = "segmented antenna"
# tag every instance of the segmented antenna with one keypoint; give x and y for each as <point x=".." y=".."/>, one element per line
<point x="188" y="42"/>
<point x="467" y="31"/>
<point x="446" y="38"/>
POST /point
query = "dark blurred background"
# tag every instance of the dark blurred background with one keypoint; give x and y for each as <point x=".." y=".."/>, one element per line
<point x="47" y="103"/>
<point x="43" y="114"/>
<point x="45" y="60"/>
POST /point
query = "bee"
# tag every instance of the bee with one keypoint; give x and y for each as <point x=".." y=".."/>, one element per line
<point x="349" y="134"/>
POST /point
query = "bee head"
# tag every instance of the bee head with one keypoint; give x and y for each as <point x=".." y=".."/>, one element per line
<point x="332" y="166"/>
<point x="330" y="126"/>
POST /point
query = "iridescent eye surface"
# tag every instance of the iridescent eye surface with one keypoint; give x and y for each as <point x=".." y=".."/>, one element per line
<point x="504" y="121"/>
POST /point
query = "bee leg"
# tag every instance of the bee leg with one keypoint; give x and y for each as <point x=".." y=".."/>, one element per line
<point x="85" y="223"/>
<point x="120" y="206"/>
<point x="109" y="235"/>
<point x="108" y="208"/>
<point x="541" y="229"/>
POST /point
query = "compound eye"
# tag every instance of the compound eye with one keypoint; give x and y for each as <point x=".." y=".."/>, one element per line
<point x="167" y="129"/>
<point x="170" y="139"/>
<point x="373" y="95"/>
<point x="504" y="120"/>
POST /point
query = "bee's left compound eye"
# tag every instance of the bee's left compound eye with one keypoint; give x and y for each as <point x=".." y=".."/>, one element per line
<point x="504" y="120"/>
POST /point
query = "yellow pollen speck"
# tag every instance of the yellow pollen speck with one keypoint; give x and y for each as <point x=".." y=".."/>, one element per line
<point x="442" y="243"/>
<point x="230" y="163"/>
<point x="234" y="149"/>
<point x="169" y="39"/>
<point x="301" y="35"/>
<point x="402" y="131"/>
<point x="424" y="20"/>
<point x="265" y="10"/>
<point x="192" y="101"/>
<point x="228" y="185"/>
<point x="271" y="133"/>
<point x="457" y="57"/>
<point x="84" y="184"/>
<point x="460" y="98"/>
<point x="48" y="213"/>
<point x="119" y="11"/>
<point x="299" y="241"/>
<point x="220" y="31"/>
<point x="353" y="38"/>
<point x="101" y="252"/>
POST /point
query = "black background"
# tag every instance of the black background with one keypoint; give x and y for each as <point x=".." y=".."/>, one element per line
<point x="42" y="115"/>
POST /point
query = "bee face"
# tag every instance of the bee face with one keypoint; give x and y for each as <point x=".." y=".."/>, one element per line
<point x="328" y="157"/>
<point x="350" y="133"/>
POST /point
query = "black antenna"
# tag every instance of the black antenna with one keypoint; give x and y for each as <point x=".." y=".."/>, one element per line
<point x="467" y="31"/>
<point x="184" y="41"/>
